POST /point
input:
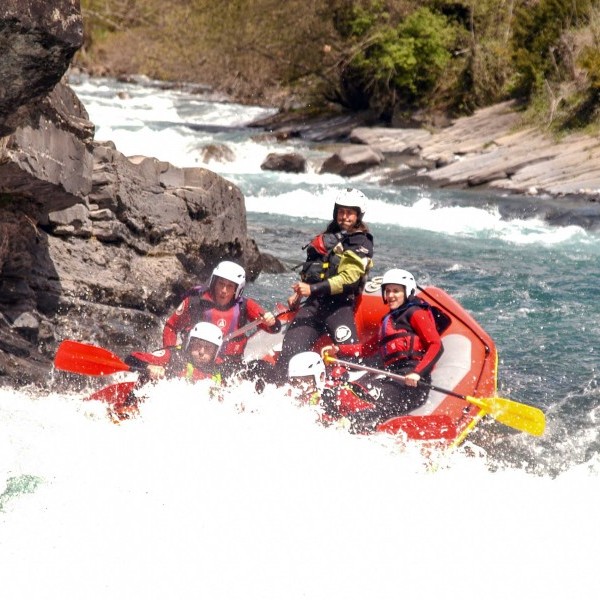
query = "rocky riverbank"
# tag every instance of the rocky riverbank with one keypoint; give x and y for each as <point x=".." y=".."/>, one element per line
<point x="525" y="171"/>
<point x="93" y="245"/>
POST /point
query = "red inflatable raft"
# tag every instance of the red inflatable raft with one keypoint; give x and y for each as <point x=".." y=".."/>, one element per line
<point x="468" y="367"/>
<point x="462" y="391"/>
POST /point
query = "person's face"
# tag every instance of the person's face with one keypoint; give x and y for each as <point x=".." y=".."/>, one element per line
<point x="201" y="353"/>
<point x="346" y="217"/>
<point x="304" y="386"/>
<point x="395" y="295"/>
<point x="224" y="291"/>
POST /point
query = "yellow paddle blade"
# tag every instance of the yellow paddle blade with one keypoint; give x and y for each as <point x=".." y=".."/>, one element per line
<point x="514" y="414"/>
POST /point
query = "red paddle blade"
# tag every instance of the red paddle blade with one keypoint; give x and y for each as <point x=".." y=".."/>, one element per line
<point x="115" y="393"/>
<point x="86" y="359"/>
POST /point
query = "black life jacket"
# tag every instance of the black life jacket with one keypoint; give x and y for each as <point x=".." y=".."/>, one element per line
<point x="321" y="260"/>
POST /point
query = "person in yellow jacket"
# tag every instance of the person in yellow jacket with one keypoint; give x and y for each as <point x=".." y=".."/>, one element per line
<point x="196" y="360"/>
<point x="337" y="262"/>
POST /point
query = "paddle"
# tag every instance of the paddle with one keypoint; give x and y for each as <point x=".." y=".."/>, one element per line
<point x="115" y="393"/>
<point x="251" y="325"/>
<point x="508" y="412"/>
<point x="85" y="359"/>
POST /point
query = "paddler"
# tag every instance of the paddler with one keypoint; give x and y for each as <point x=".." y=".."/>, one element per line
<point x="310" y="385"/>
<point x="331" y="278"/>
<point x="408" y="344"/>
<point x="222" y="303"/>
<point x="306" y="375"/>
<point x="195" y="360"/>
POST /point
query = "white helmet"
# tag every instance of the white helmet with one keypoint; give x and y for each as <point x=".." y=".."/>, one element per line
<point x="400" y="277"/>
<point x="208" y="332"/>
<point x="350" y="198"/>
<point x="308" y="363"/>
<point x="232" y="272"/>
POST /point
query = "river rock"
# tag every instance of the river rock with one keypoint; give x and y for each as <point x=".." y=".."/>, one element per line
<point x="216" y="152"/>
<point x="335" y="127"/>
<point x="289" y="162"/>
<point x="391" y="141"/>
<point x="37" y="42"/>
<point x="490" y="150"/>
<point x="352" y="160"/>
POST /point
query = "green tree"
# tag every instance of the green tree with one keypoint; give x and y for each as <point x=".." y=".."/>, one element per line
<point x="539" y="52"/>
<point x="481" y="63"/>
<point x="388" y="65"/>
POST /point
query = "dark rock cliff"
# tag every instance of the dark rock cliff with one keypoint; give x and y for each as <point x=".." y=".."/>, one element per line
<point x="94" y="246"/>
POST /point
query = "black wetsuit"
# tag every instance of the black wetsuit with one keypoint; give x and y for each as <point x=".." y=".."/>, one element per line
<point x="336" y="266"/>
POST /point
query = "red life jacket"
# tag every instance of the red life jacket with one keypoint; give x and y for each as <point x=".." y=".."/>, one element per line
<point x="227" y="319"/>
<point x="203" y="308"/>
<point x="398" y="341"/>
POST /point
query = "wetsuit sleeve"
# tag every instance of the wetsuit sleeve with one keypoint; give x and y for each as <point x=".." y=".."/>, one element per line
<point x="424" y="326"/>
<point x="256" y="311"/>
<point x="176" y="323"/>
<point x="140" y="360"/>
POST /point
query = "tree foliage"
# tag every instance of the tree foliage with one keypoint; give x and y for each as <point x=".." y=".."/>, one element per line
<point x="382" y="55"/>
<point x="389" y="65"/>
<point x="539" y="43"/>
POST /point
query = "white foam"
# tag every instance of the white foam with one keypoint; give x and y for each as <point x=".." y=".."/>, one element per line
<point x="251" y="498"/>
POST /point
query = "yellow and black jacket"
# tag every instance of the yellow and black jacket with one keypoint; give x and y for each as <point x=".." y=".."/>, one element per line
<point x="337" y="263"/>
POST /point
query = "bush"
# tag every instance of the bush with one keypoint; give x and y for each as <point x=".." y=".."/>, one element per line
<point x="538" y="54"/>
<point x="400" y="65"/>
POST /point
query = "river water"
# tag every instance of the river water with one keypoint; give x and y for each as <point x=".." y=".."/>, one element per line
<point x="250" y="498"/>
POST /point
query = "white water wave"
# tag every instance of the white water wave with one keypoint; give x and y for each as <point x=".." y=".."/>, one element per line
<point x="423" y="214"/>
<point x="250" y="498"/>
<point x="118" y="103"/>
<point x="152" y="122"/>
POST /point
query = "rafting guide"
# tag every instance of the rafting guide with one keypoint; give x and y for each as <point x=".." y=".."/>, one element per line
<point x="337" y="262"/>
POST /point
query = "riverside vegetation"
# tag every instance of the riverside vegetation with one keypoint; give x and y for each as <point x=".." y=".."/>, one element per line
<point x="403" y="60"/>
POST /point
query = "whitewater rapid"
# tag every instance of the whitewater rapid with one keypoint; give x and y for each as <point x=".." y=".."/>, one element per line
<point x="252" y="498"/>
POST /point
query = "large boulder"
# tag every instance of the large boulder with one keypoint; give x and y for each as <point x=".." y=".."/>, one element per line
<point x="49" y="157"/>
<point x="289" y="162"/>
<point x="38" y="39"/>
<point x="94" y="245"/>
<point x="102" y="248"/>
<point x="352" y="160"/>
